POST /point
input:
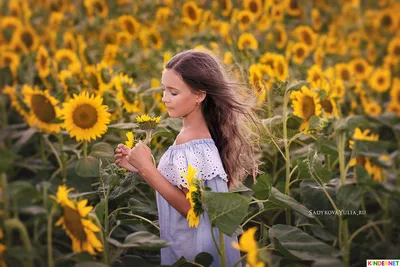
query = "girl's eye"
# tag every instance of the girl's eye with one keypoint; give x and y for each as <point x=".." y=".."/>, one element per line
<point x="173" y="94"/>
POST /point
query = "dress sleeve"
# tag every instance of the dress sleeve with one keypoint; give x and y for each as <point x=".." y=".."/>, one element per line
<point x="202" y="156"/>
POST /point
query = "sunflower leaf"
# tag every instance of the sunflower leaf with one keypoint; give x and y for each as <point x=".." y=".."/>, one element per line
<point x="142" y="240"/>
<point x="88" y="167"/>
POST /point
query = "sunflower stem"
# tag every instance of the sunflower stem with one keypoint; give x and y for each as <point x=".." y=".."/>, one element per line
<point x="340" y="142"/>
<point x="63" y="159"/>
<point x="215" y="241"/>
<point x="16" y="224"/>
<point x="50" y="236"/>
<point x="85" y="149"/>
<point x="3" y="112"/>
<point x="42" y="152"/>
<point x="222" y="246"/>
<point x="287" y="153"/>
<point x="4" y="198"/>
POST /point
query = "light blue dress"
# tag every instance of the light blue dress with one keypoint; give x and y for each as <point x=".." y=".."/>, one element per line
<point x="188" y="242"/>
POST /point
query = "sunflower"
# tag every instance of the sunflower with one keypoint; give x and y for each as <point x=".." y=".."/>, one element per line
<point x="154" y="39"/>
<point x="316" y="20"/>
<point x="306" y="35"/>
<point x="330" y="108"/>
<point x="300" y="52"/>
<point x="131" y="139"/>
<point x="110" y="53"/>
<point x="373" y="170"/>
<point x="281" y="68"/>
<point x="319" y="57"/>
<point x="104" y="76"/>
<point x="194" y="196"/>
<point x="191" y="13"/>
<point x="28" y="37"/>
<point x="256" y="81"/>
<point x="96" y="8"/>
<point x="293" y="7"/>
<point x="364" y="135"/>
<point x="380" y="80"/>
<point x="123" y="39"/>
<point x="162" y="15"/>
<point x="66" y="58"/>
<point x="69" y="41"/>
<point x="305" y="104"/>
<point x="85" y="117"/>
<point x="10" y="59"/>
<point x="338" y="89"/>
<point x="247" y="243"/>
<point x="387" y="20"/>
<point x="372" y="108"/>
<point x="372" y="54"/>
<point x="245" y="18"/>
<point x="277" y="12"/>
<point x="130" y="25"/>
<point x="247" y="41"/>
<point x="226" y="7"/>
<point x="360" y="68"/>
<point x="74" y="221"/>
<point x="16" y="101"/>
<point x="15" y="9"/>
<point x="55" y="20"/>
<point x="254" y="6"/>
<point x="395" y="91"/>
<point x="43" y="62"/>
<point x="228" y="58"/>
<point x="393" y="107"/>
<point x="10" y="24"/>
<point x="394" y="48"/>
<point x="343" y="72"/>
<point x="264" y="23"/>
<point x="129" y="100"/>
<point x="146" y="122"/>
<point x="43" y="109"/>
<point x="280" y="36"/>
<point x="354" y="39"/>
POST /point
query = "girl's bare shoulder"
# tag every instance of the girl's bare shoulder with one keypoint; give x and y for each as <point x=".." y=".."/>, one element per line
<point x="189" y="135"/>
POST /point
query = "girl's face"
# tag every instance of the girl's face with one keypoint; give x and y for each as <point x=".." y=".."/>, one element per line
<point x="177" y="96"/>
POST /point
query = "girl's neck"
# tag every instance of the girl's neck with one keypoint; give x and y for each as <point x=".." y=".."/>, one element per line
<point x="194" y="120"/>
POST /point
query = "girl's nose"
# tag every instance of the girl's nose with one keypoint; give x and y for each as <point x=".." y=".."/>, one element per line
<point x="164" y="98"/>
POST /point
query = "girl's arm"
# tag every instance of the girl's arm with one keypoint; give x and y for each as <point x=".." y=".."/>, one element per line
<point x="174" y="196"/>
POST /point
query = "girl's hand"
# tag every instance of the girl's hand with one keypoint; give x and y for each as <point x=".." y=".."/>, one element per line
<point x="121" y="158"/>
<point x="140" y="157"/>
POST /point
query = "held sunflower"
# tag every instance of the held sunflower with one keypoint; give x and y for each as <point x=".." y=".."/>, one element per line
<point x="85" y="117"/>
<point x="248" y="244"/>
<point x="194" y="196"/>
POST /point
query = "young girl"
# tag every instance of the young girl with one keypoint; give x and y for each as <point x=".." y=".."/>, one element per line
<point x="214" y="139"/>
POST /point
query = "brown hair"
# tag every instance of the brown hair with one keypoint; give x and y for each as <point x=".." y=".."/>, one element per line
<point x="227" y="109"/>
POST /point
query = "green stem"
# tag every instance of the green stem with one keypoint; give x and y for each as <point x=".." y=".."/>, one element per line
<point x="142" y="218"/>
<point x="50" y="237"/>
<point x="42" y="152"/>
<point x="63" y="159"/>
<point x="222" y="245"/>
<point x="16" y="224"/>
<point x="215" y="241"/>
<point x="340" y="142"/>
<point x="85" y="149"/>
<point x="287" y="154"/>
<point x="387" y="228"/>
<point x="362" y="228"/>
<point x="106" y="222"/>
<point x="345" y="240"/>
<point x="4" y="196"/>
<point x="4" y="112"/>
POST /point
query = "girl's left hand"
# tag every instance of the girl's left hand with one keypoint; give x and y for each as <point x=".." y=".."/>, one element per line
<point x="140" y="157"/>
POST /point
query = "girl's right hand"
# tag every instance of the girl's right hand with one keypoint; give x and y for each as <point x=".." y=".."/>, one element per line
<point x="121" y="158"/>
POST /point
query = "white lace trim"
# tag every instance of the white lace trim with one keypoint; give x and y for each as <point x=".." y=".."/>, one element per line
<point x="200" y="153"/>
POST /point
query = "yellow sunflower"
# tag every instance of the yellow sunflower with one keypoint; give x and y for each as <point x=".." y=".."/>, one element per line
<point x="264" y="23"/>
<point x="254" y="6"/>
<point x="43" y="109"/>
<point x="191" y="13"/>
<point x="78" y="227"/>
<point x="365" y="135"/>
<point x="280" y="36"/>
<point x="338" y="89"/>
<point x="66" y="58"/>
<point x="130" y="25"/>
<point x="330" y="108"/>
<point x="146" y="122"/>
<point x="319" y="57"/>
<point x="228" y="58"/>
<point x="11" y="24"/>
<point x="360" y="68"/>
<point x="110" y="53"/>
<point x="85" y="117"/>
<point x="393" y="107"/>
<point x="10" y="59"/>
<point x="154" y="39"/>
<point x="226" y="7"/>
<point x="394" y="48"/>
<point x="69" y="41"/>
<point x="123" y="39"/>
<point x="55" y="20"/>
<point x="395" y="91"/>
<point x="129" y="100"/>
<point x="162" y="15"/>
<point x="28" y="36"/>
<point x="277" y="12"/>
<point x="305" y="104"/>
<point x="92" y="79"/>
<point x="281" y="68"/>
<point x="104" y="76"/>
<point x="316" y="20"/>
<point x="372" y="108"/>
<point x="248" y="244"/>
<point x="96" y="8"/>
<point x="372" y="54"/>
<point x="344" y="72"/>
<point x="245" y="18"/>
<point x="306" y="35"/>
<point x="247" y="41"/>
<point x="16" y="100"/>
<point x="299" y="53"/>
<point x="43" y="62"/>
<point x="293" y="7"/>
<point x="380" y="80"/>
<point x="373" y="170"/>
<point x="131" y="139"/>
<point x="387" y="20"/>
<point x="315" y="76"/>
<point x="194" y="196"/>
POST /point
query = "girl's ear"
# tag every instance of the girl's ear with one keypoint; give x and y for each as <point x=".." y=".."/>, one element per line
<point x="201" y="96"/>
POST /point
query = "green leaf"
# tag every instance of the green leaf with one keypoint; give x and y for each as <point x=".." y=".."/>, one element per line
<point x="296" y="244"/>
<point x="7" y="158"/>
<point x="103" y="152"/>
<point x="204" y="259"/>
<point x="99" y="211"/>
<point x="362" y="175"/>
<point x="295" y="85"/>
<point x="287" y="201"/>
<point x="141" y="240"/>
<point x="349" y="197"/>
<point x="262" y="189"/>
<point x="349" y="123"/>
<point x="90" y="264"/>
<point x="226" y="210"/>
<point x="19" y="189"/>
<point x="370" y="148"/>
<point x="88" y="167"/>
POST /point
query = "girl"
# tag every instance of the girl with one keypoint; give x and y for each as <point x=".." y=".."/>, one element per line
<point x="214" y="139"/>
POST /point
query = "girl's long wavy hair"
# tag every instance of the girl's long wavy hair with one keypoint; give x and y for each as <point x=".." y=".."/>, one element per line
<point x="229" y="111"/>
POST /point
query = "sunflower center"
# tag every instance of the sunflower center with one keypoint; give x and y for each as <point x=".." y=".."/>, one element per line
<point x="192" y="13"/>
<point x="43" y="60"/>
<point x="253" y="7"/>
<point x="280" y="68"/>
<point x="381" y="80"/>
<point x="43" y="108"/>
<point x="386" y="21"/>
<point x="153" y="39"/>
<point x="245" y="19"/>
<point x="308" y="107"/>
<point x="27" y="39"/>
<point x="396" y="50"/>
<point x="360" y="68"/>
<point x="345" y="75"/>
<point x="93" y="81"/>
<point x="293" y="4"/>
<point x="73" y="223"/>
<point x="98" y="7"/>
<point x="300" y="52"/>
<point x="85" y="116"/>
<point x="130" y="27"/>
<point x="327" y="105"/>
<point x="307" y="38"/>
<point x="246" y="43"/>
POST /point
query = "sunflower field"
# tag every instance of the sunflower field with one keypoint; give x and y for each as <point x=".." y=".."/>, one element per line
<point x="79" y="77"/>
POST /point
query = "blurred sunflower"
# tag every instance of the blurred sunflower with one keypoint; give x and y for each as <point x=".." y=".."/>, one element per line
<point x="387" y="20"/>
<point x="16" y="100"/>
<point x="280" y="36"/>
<point x="395" y="91"/>
<point x="254" y="6"/>
<point x="360" y="68"/>
<point x="162" y="15"/>
<point x="104" y="76"/>
<point x="3" y="248"/>
<point x="123" y="39"/>
<point x="344" y="72"/>
<point x="372" y="54"/>
<point x="394" y="48"/>
<point x="55" y="20"/>
<point x="354" y="39"/>
<point x="264" y="23"/>
<point x="131" y="139"/>
<point x="281" y="68"/>
<point x="319" y="57"/>
<point x="380" y="80"/>
<point x="228" y="58"/>
<point x="299" y="52"/>
<point x="154" y="39"/>
<point x="393" y="107"/>
<point x="293" y="7"/>
<point x="43" y="62"/>
<point x="43" y="109"/>
<point x="247" y="243"/>
<point x="316" y="20"/>
<point x="373" y="170"/>
<point x="277" y="12"/>
<point x="315" y="76"/>
<point x="130" y="101"/>
<point x="305" y="104"/>
<point x="226" y="7"/>
<point x="194" y="196"/>
<point x="96" y="8"/>
<point x="247" y="41"/>
<point x="372" y="108"/>
<point x="306" y="35"/>
<point x="10" y="59"/>
<point x="363" y="135"/>
<point x="66" y="58"/>
<point x="245" y="18"/>
<point x="28" y="36"/>
<point x="130" y="25"/>
<point x="92" y="79"/>
<point x="74" y="221"/>
<point x="191" y="13"/>
<point x="69" y="41"/>
<point x="15" y="9"/>
<point x="85" y="117"/>
<point x="330" y="108"/>
<point x="10" y="24"/>
<point x="110" y="53"/>
<point x="338" y="89"/>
